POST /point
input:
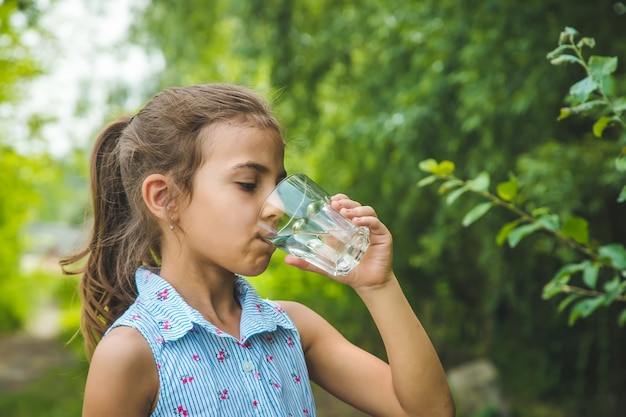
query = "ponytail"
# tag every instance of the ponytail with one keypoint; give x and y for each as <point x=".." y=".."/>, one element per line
<point x="107" y="286"/>
<point x="164" y="137"/>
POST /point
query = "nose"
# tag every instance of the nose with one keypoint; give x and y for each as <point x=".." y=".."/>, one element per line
<point x="272" y="210"/>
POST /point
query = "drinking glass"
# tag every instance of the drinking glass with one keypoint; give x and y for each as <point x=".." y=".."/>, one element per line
<point x="298" y="219"/>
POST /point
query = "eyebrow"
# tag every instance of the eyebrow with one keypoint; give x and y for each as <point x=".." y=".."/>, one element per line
<point x="250" y="165"/>
<point x="255" y="166"/>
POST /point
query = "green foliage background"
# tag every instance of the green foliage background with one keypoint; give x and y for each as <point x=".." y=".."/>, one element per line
<point x="367" y="90"/>
<point x="17" y="193"/>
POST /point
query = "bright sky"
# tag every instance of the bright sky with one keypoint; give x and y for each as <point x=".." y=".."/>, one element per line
<point x="86" y="65"/>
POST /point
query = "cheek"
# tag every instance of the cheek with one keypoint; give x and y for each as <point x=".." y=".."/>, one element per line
<point x="232" y="216"/>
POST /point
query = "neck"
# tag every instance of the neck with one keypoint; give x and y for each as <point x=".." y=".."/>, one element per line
<point x="210" y="292"/>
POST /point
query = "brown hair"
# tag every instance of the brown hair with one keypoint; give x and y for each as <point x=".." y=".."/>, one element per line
<point x="162" y="138"/>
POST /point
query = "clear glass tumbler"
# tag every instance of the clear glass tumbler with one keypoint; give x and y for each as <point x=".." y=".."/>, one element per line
<point x="298" y="219"/>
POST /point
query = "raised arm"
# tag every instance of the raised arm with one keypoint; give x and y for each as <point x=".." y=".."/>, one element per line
<point x="413" y="382"/>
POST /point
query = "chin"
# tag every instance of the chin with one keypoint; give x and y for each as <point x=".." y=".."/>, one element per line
<point x="255" y="270"/>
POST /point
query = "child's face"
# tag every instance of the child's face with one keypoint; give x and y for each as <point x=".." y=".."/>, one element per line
<point x="244" y="165"/>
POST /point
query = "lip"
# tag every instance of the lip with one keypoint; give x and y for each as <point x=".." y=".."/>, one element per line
<point x="265" y="240"/>
<point x="265" y="231"/>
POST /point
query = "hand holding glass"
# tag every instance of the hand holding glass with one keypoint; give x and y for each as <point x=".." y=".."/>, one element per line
<point x="298" y="219"/>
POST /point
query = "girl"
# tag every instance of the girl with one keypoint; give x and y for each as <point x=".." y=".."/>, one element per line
<point x="170" y="324"/>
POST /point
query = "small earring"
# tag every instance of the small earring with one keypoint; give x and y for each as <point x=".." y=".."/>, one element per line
<point x="172" y="227"/>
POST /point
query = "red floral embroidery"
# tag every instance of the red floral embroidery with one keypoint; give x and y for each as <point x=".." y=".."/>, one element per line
<point x="162" y="295"/>
<point x="246" y="345"/>
<point x="180" y="411"/>
<point x="223" y="394"/>
<point x="195" y="357"/>
<point x="186" y="379"/>
<point x="222" y="355"/>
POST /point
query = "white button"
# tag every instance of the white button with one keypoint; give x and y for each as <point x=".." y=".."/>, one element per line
<point x="248" y="366"/>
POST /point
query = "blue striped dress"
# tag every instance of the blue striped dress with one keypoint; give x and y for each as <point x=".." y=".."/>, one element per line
<point x="205" y="372"/>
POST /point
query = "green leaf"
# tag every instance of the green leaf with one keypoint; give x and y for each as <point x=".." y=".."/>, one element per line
<point x="600" y="125"/>
<point x="577" y="229"/>
<point x="519" y="233"/>
<point x="454" y="195"/>
<point x="476" y="213"/>
<point x="619" y="104"/>
<point x="507" y="190"/>
<point x="449" y="185"/>
<point x="561" y="279"/>
<point x="602" y="66"/>
<point x="558" y="51"/>
<point x="614" y="253"/>
<point x="588" y="105"/>
<point x="480" y="183"/>
<point x="570" y="31"/>
<point x="622" y="318"/>
<point x="590" y="274"/>
<point x="564" y="113"/>
<point x="505" y="230"/>
<point x="551" y="289"/>
<point x="549" y="221"/>
<point x="583" y="89"/>
<point x="590" y="42"/>
<point x="427" y="181"/>
<point x="428" y="165"/>
<point x="444" y="168"/>
<point x="567" y="301"/>
<point x="622" y="195"/>
<point x="613" y="289"/>
<point x="584" y="308"/>
<point x="565" y="59"/>
<point x="566" y="271"/>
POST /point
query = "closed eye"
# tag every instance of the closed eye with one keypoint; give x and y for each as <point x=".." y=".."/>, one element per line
<point x="247" y="186"/>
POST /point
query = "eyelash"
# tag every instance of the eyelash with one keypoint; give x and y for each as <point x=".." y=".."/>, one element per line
<point x="247" y="186"/>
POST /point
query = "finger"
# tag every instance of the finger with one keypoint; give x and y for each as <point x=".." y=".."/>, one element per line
<point x="362" y="211"/>
<point x="339" y="196"/>
<point x="373" y="223"/>
<point x="342" y="203"/>
<point x="359" y="211"/>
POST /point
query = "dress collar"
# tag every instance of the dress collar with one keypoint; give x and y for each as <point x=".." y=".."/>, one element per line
<point x="177" y="318"/>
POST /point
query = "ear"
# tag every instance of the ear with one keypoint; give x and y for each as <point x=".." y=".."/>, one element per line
<point x="157" y="195"/>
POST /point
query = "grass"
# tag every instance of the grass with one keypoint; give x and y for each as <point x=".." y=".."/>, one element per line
<point x="57" y="393"/>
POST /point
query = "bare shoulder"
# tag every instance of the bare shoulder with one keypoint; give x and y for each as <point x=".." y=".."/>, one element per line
<point x="120" y="360"/>
<point x="303" y="316"/>
<point x="123" y="348"/>
<point x="296" y="310"/>
<point x="312" y="327"/>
